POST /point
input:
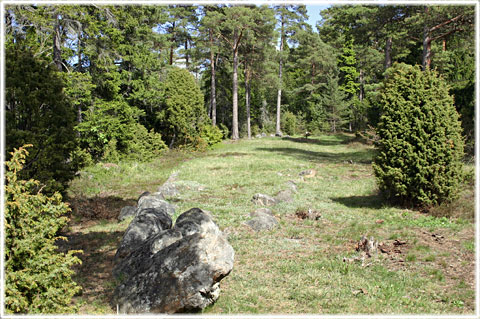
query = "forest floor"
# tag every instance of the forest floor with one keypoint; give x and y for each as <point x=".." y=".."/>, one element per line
<point x="299" y="266"/>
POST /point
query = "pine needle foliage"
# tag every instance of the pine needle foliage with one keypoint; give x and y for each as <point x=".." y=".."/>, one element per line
<point x="419" y="153"/>
<point x="37" y="276"/>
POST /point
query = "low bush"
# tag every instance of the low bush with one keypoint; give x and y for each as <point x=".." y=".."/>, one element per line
<point x="37" y="276"/>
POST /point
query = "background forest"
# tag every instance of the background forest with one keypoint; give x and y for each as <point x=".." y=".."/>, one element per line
<point x="114" y="79"/>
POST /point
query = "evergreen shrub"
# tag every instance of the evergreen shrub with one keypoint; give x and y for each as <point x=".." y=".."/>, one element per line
<point x="289" y="123"/>
<point x="211" y="134"/>
<point x="37" y="276"/>
<point x="420" y="146"/>
<point x="183" y="113"/>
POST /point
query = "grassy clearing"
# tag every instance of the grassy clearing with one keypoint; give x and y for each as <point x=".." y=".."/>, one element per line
<point x="297" y="267"/>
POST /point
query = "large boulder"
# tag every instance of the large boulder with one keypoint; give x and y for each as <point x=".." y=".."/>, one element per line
<point x="176" y="269"/>
<point x="147" y="222"/>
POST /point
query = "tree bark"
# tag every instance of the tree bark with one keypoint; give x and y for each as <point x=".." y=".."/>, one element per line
<point x="279" y="93"/>
<point x="57" y="49"/>
<point x="388" y="53"/>
<point x="213" y="93"/>
<point x="235" y="88"/>
<point x="247" y="100"/>
<point x="426" y="55"/>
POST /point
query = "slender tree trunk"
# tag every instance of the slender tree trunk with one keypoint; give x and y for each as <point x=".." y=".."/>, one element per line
<point x="279" y="93"/>
<point x="362" y="83"/>
<point x="388" y="53"/>
<point x="426" y="56"/>
<point x="247" y="100"/>
<point x="186" y="53"/>
<point x="213" y="93"/>
<point x="235" y="89"/>
<point x="57" y="49"/>
<point x="444" y="44"/>
<point x="172" y="45"/>
<point x="264" y="117"/>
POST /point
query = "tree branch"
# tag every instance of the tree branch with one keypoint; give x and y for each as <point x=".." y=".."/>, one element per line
<point x="438" y="26"/>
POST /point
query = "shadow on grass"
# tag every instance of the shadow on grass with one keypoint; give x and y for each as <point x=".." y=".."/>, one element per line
<point x="368" y="201"/>
<point x="339" y="139"/>
<point x="94" y="274"/>
<point x="362" y="157"/>
<point x="98" y="207"/>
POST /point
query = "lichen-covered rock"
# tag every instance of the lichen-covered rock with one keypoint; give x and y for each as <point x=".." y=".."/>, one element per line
<point x="169" y="189"/>
<point x="262" y="221"/>
<point x="175" y="270"/>
<point x="147" y="222"/>
<point x="155" y="200"/>
<point x="284" y="196"/>
<point x="264" y="200"/>
<point x="126" y="212"/>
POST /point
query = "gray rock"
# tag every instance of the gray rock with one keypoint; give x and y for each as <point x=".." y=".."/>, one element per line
<point x="292" y="185"/>
<point x="126" y="212"/>
<point x="262" y="222"/>
<point x="284" y="196"/>
<point x="264" y="135"/>
<point x="308" y="173"/>
<point x="173" y="177"/>
<point x="258" y="136"/>
<point x="155" y="200"/>
<point x="262" y="210"/>
<point x="175" y="270"/>
<point x="147" y="222"/>
<point x="169" y="189"/>
<point x="143" y="194"/>
<point x="264" y="200"/>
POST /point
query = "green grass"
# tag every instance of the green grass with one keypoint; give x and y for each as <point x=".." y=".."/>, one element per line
<point x="298" y="267"/>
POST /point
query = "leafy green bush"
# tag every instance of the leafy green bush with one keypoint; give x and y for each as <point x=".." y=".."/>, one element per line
<point x="37" y="276"/>
<point x="211" y="134"/>
<point x="289" y="123"/>
<point x="145" y="144"/>
<point x="225" y="130"/>
<point x="420" y="146"/>
<point x="183" y="114"/>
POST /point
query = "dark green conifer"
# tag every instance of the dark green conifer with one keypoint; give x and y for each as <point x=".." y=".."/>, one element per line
<point x="420" y="149"/>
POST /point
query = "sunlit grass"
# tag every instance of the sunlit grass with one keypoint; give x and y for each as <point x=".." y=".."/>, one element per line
<point x="298" y="267"/>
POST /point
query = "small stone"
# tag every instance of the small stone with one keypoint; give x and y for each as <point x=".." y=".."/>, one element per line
<point x="264" y="200"/>
<point x="262" y="222"/>
<point x="284" y="196"/>
<point x="262" y="210"/>
<point x="308" y="173"/>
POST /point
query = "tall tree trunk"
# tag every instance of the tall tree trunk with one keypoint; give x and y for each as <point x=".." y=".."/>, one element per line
<point x="388" y="53"/>
<point x="213" y="93"/>
<point x="247" y="100"/>
<point x="264" y="116"/>
<point x="173" y="43"/>
<point x="361" y="92"/>
<point x="279" y="93"/>
<point x="57" y="49"/>
<point x="235" y="89"/>
<point x="426" y="56"/>
<point x="186" y="53"/>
